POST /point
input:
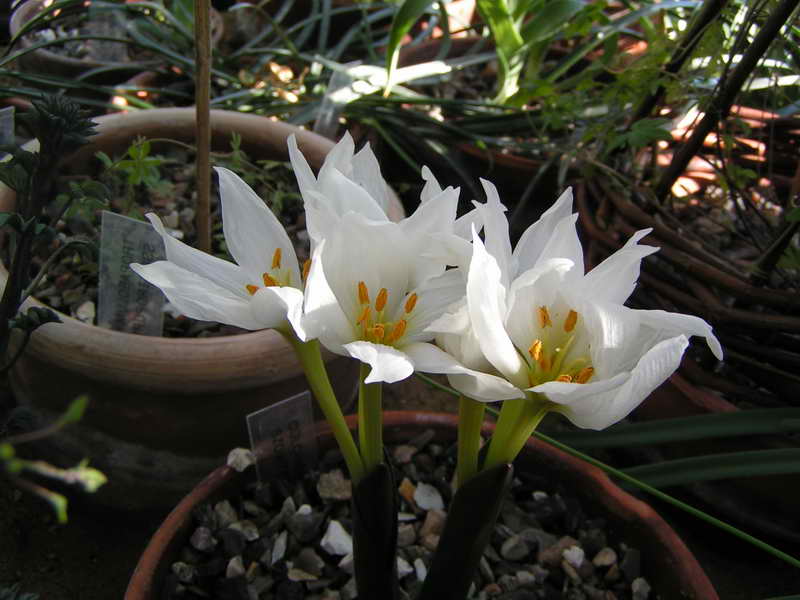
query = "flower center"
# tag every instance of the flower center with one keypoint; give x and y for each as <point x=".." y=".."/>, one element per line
<point x="372" y="320"/>
<point x="548" y="353"/>
<point x="276" y="276"/>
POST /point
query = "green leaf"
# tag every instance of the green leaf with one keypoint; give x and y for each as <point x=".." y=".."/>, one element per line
<point x="747" y="422"/>
<point x="375" y="508"/>
<point x="470" y="522"/>
<point x="553" y="17"/>
<point x="719" y="466"/>
<point x="794" y="215"/>
<point x="75" y="411"/>
<point x="408" y="14"/>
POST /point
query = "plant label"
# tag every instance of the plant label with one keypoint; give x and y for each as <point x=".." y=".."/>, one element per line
<point x="125" y="301"/>
<point x="6" y="128"/>
<point x="284" y="432"/>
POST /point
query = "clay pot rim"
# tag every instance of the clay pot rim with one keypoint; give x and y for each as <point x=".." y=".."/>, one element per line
<point x="685" y="567"/>
<point x="138" y="360"/>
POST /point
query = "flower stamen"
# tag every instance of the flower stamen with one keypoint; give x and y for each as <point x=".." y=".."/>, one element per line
<point x="397" y="331"/>
<point x="363" y="293"/>
<point x="276" y="259"/>
<point x="544" y="317"/>
<point x="585" y="374"/>
<point x="535" y="350"/>
<point x="306" y="268"/>
<point x="570" y="321"/>
<point x="378" y="332"/>
<point x="364" y="316"/>
<point x="251" y="289"/>
<point x="269" y="281"/>
<point x="411" y="302"/>
<point x="565" y="378"/>
<point x="380" y="301"/>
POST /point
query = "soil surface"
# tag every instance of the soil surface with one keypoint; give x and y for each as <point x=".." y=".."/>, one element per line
<point x="92" y="557"/>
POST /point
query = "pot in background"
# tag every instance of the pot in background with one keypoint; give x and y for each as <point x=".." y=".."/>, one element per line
<point x="163" y="412"/>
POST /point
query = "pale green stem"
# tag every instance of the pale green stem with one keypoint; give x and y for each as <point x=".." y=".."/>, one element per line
<point x="310" y="357"/>
<point x="470" y="419"/>
<point x="510" y="414"/>
<point x="370" y="421"/>
<point x="530" y="414"/>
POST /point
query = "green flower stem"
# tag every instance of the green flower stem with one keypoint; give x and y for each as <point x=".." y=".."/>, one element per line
<point x="470" y="419"/>
<point x="644" y="487"/>
<point x="532" y="414"/>
<point x="510" y="414"/>
<point x="370" y="421"/>
<point x="310" y="357"/>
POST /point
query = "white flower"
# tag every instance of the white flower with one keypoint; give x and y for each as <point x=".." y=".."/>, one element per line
<point x="263" y="290"/>
<point x="534" y="319"/>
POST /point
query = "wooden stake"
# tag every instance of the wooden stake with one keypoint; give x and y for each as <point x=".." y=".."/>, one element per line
<point x="202" y="36"/>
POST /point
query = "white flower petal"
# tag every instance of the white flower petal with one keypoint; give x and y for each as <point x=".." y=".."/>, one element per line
<point x="665" y="324"/>
<point x="495" y="228"/>
<point x="198" y="297"/>
<point x="345" y="195"/>
<point x="532" y="242"/>
<point x="274" y="305"/>
<point x="435" y="296"/>
<point x="427" y="358"/>
<point x="223" y="273"/>
<point x="615" y="278"/>
<point x="324" y="318"/>
<point x="565" y="243"/>
<point x="305" y="176"/>
<point x="431" y="189"/>
<point x="604" y="409"/>
<point x="388" y="364"/>
<point x="252" y="232"/>
<point x="367" y="173"/>
<point x="487" y="311"/>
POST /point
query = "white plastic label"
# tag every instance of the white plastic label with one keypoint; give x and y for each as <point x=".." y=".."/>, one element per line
<point x="125" y="301"/>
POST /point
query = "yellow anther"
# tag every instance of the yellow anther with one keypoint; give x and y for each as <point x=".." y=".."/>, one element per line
<point x="364" y="316"/>
<point x="565" y="378"/>
<point x="378" y="332"/>
<point x="398" y="330"/>
<point x="544" y="317"/>
<point x="363" y="294"/>
<point x="570" y="321"/>
<point x="251" y="289"/>
<point x="535" y="350"/>
<point x="380" y="301"/>
<point x="269" y="281"/>
<point x="306" y="268"/>
<point x="276" y="259"/>
<point x="411" y="302"/>
<point x="585" y="375"/>
<point x="544" y="363"/>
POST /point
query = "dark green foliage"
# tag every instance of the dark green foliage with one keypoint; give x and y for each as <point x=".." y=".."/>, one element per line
<point x="58" y="123"/>
<point x="14" y="593"/>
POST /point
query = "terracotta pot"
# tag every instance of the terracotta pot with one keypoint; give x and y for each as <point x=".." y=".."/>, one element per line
<point x="163" y="411"/>
<point x="669" y="566"/>
<point x="45" y="62"/>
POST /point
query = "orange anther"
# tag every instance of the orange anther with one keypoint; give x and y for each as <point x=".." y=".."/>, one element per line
<point x="380" y="301"/>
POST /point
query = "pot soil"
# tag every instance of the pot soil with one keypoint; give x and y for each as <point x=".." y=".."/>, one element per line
<point x="544" y="546"/>
<point x="163" y="411"/>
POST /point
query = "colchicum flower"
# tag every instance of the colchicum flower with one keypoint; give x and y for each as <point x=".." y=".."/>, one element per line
<point x="374" y="286"/>
<point x="561" y="337"/>
<point x="262" y="291"/>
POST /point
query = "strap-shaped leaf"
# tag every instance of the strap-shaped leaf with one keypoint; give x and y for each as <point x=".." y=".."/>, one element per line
<point x="403" y="21"/>
<point x="470" y="522"/>
<point x="700" y="427"/>
<point x="719" y="466"/>
<point x="375" y="507"/>
<point x="552" y="17"/>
